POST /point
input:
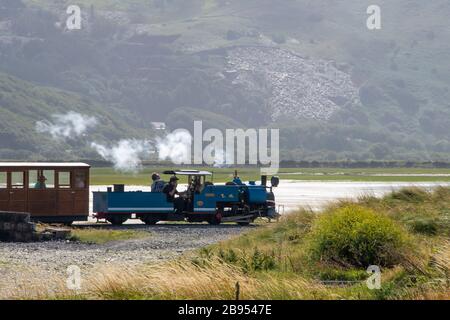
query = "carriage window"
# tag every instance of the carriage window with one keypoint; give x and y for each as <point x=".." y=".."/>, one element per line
<point x="17" y="180"/>
<point x="80" y="180"/>
<point x="50" y="176"/>
<point x="64" y="180"/>
<point x="32" y="178"/>
<point x="3" y="180"/>
<point x="41" y="179"/>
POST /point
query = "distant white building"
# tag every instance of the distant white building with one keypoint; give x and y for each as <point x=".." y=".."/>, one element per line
<point x="159" y="125"/>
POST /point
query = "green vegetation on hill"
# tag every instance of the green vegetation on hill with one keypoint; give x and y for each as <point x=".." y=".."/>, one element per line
<point x="23" y="103"/>
<point x="185" y="118"/>
<point x="165" y="60"/>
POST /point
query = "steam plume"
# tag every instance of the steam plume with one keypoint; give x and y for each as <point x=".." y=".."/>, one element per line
<point x="69" y="125"/>
<point x="219" y="158"/>
<point x="126" y="155"/>
<point x="175" y="147"/>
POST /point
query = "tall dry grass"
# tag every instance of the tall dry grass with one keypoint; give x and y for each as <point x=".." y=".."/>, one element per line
<point x="182" y="279"/>
<point x="272" y="263"/>
<point x="175" y="280"/>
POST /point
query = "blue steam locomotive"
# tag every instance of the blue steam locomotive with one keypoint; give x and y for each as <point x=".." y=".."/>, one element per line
<point x="202" y="201"/>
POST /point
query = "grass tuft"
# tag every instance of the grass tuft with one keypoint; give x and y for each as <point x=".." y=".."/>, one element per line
<point x="411" y="195"/>
<point x="102" y="236"/>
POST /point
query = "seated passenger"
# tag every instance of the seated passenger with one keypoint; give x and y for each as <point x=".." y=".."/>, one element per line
<point x="170" y="190"/>
<point x="158" y="184"/>
<point x="40" y="184"/>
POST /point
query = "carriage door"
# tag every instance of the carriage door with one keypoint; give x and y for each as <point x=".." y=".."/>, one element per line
<point x="4" y="192"/>
<point x="66" y="194"/>
<point x="17" y="193"/>
<point x="81" y="192"/>
<point x="41" y="198"/>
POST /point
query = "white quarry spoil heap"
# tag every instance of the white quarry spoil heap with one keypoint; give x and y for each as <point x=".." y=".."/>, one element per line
<point x="293" y="86"/>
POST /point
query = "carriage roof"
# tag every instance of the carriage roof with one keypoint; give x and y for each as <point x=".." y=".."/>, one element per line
<point x="43" y="165"/>
<point x="188" y="172"/>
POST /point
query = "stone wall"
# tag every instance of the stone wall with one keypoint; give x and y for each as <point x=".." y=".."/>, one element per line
<point x="16" y="227"/>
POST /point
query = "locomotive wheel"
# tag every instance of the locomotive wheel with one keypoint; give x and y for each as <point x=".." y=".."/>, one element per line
<point x="216" y="219"/>
<point x="149" y="221"/>
<point x="117" y="220"/>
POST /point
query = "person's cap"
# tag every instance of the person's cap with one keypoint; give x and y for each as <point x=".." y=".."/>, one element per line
<point x="173" y="179"/>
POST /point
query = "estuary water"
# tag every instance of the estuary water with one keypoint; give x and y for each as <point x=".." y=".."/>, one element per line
<point x="316" y="194"/>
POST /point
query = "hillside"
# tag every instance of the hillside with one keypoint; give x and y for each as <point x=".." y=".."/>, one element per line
<point x="22" y="104"/>
<point x="335" y="89"/>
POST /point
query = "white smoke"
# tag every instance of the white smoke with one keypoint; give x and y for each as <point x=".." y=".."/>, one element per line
<point x="69" y="125"/>
<point x="219" y="158"/>
<point x="126" y="155"/>
<point x="175" y="147"/>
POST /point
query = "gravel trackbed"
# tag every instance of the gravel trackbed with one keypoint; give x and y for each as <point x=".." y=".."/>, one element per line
<point x="165" y="241"/>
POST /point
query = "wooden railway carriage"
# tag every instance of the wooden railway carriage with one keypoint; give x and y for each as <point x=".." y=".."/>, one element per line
<point x="62" y="198"/>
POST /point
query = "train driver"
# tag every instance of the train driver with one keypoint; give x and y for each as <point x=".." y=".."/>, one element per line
<point x="197" y="185"/>
<point x="170" y="190"/>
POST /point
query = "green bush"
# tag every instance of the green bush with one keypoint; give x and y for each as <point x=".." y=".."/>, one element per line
<point x="413" y="195"/>
<point x="357" y="236"/>
<point x="255" y="260"/>
<point x="425" y="226"/>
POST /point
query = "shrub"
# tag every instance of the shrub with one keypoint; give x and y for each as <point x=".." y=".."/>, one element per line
<point x="356" y="235"/>
<point x="256" y="260"/>
<point x="425" y="226"/>
<point x="413" y="195"/>
<point x="262" y="261"/>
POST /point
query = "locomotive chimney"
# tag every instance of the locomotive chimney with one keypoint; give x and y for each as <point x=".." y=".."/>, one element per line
<point x="264" y="180"/>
